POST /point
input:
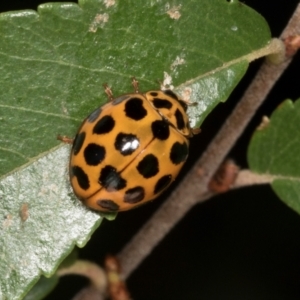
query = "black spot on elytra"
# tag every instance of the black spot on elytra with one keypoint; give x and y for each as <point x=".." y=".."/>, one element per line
<point x="82" y="178"/>
<point x="148" y="166"/>
<point x="154" y="94"/>
<point x="94" y="115"/>
<point x="126" y="143"/>
<point x="111" y="179"/>
<point x="104" y="125"/>
<point x="162" y="183"/>
<point x="161" y="103"/>
<point x="170" y="94"/>
<point x="179" y="119"/>
<point x="134" y="195"/>
<point x="160" y="129"/>
<point x="94" y="154"/>
<point x="78" y="142"/>
<point x="120" y="99"/>
<point x="179" y="153"/>
<point x="134" y="109"/>
<point x="108" y="204"/>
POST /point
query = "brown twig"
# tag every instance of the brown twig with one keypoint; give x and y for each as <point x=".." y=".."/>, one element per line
<point x="117" y="289"/>
<point x="193" y="188"/>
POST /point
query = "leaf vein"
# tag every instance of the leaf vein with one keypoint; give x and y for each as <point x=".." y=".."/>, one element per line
<point x="39" y="112"/>
<point x="15" y="152"/>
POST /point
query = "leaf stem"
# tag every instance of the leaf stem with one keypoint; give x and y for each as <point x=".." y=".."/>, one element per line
<point x="88" y="269"/>
<point x="275" y="48"/>
<point x="193" y="188"/>
<point x="248" y="178"/>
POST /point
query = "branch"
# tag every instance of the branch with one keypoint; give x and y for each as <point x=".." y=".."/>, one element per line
<point x="193" y="188"/>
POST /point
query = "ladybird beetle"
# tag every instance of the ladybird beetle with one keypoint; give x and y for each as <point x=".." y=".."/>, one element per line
<point x="128" y="151"/>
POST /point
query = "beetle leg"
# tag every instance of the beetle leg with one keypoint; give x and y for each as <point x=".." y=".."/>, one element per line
<point x="108" y="92"/>
<point x="65" y="139"/>
<point x="135" y="85"/>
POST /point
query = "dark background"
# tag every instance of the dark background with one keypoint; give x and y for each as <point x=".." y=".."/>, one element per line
<point x="242" y="245"/>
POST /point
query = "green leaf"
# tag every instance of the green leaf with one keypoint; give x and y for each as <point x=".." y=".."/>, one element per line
<point x="53" y="63"/>
<point x="42" y="288"/>
<point x="274" y="150"/>
<point x="39" y="229"/>
<point x="45" y="285"/>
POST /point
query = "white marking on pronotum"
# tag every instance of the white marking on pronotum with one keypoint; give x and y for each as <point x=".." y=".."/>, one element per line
<point x="99" y="21"/>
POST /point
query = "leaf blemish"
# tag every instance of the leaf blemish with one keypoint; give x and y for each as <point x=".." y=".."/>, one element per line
<point x="177" y="62"/>
<point x="167" y="83"/>
<point x="264" y="123"/>
<point x="109" y="3"/>
<point x="8" y="221"/>
<point x="99" y="21"/>
<point x="24" y="212"/>
<point x="174" y="12"/>
<point x="186" y="94"/>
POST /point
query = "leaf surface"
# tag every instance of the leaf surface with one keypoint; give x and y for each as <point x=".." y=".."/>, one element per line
<point x="53" y="63"/>
<point x="275" y="150"/>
